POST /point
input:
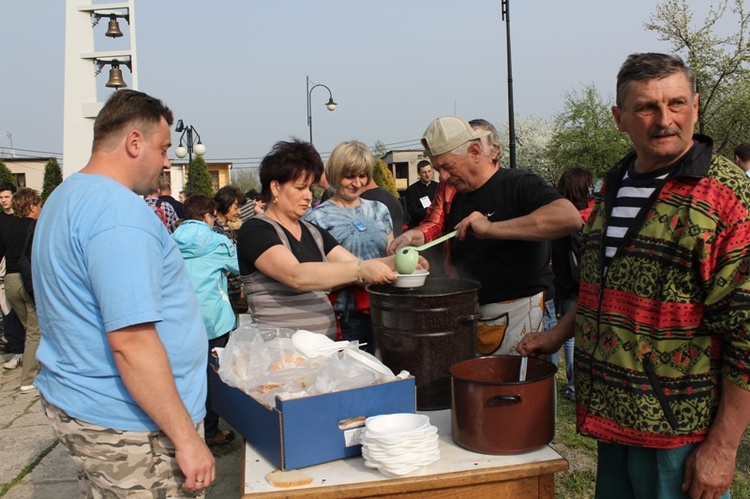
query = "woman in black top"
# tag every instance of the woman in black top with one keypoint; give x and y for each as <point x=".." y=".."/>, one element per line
<point x="288" y="265"/>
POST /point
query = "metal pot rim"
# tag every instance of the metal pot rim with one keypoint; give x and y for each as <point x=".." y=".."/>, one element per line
<point x="502" y="383"/>
<point x="471" y="286"/>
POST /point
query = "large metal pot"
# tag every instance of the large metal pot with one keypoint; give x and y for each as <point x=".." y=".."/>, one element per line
<point x="424" y="331"/>
<point x="494" y="413"/>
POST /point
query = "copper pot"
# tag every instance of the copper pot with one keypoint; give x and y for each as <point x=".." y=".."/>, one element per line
<point x="494" y="413"/>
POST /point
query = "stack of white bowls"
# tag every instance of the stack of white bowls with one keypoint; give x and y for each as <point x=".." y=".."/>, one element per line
<point x="399" y="444"/>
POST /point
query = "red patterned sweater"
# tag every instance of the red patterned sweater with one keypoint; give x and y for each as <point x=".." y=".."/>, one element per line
<point x="670" y="316"/>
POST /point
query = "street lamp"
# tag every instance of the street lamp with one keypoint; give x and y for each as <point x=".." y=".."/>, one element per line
<point x="330" y="105"/>
<point x="190" y="146"/>
<point x="511" y="111"/>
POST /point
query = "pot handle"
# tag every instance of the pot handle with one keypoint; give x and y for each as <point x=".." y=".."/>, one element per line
<point x="469" y="318"/>
<point x="504" y="400"/>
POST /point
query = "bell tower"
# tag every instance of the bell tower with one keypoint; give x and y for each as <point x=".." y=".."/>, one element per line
<point x="85" y="58"/>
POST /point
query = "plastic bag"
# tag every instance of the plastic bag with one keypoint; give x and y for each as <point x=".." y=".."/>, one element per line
<point x="340" y="372"/>
<point x="264" y="363"/>
<point x="250" y="353"/>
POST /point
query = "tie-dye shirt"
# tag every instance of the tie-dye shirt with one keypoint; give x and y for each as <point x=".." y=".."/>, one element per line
<point x="363" y="230"/>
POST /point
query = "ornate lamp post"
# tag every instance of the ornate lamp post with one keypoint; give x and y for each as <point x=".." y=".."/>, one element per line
<point x="188" y="137"/>
<point x="330" y="105"/>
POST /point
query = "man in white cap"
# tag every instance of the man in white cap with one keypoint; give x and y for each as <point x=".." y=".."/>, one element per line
<point x="504" y="219"/>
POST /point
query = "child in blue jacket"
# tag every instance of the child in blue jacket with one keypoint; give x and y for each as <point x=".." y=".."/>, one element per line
<point x="207" y="256"/>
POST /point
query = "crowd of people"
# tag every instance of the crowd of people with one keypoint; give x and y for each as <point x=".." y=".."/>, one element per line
<point x="643" y="285"/>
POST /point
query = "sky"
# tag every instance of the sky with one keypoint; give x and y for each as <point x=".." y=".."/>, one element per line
<point x="235" y="69"/>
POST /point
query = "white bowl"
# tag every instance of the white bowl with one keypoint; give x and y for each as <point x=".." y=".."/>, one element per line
<point x="378" y="445"/>
<point x="413" y="280"/>
<point x="404" y="455"/>
<point x="396" y="424"/>
<point x="416" y="434"/>
<point x="399" y="453"/>
<point x="396" y="441"/>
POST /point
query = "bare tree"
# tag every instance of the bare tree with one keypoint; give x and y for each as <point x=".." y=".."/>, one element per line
<point x="246" y="179"/>
<point x="721" y="65"/>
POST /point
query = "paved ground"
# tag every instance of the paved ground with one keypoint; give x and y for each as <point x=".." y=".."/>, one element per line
<point x="33" y="466"/>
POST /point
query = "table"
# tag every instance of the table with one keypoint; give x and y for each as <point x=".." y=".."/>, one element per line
<point x="458" y="474"/>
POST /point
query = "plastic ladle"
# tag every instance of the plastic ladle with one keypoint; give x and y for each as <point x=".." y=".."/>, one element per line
<point x="522" y="370"/>
<point x="408" y="256"/>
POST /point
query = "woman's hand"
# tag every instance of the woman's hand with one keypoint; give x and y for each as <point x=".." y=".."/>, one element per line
<point x="377" y="271"/>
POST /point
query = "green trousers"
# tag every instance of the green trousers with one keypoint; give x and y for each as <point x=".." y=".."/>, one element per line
<point x="628" y="472"/>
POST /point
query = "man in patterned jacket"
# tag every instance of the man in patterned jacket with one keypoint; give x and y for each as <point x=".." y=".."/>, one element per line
<point x="663" y="321"/>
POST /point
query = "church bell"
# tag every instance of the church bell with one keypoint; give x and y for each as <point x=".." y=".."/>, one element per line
<point x="114" y="28"/>
<point x="115" y="77"/>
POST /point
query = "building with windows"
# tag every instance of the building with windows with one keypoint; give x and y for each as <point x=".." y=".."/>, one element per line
<point x="27" y="172"/>
<point x="221" y="174"/>
<point x="403" y="166"/>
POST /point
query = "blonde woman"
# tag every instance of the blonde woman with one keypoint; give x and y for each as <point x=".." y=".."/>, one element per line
<point x="362" y="226"/>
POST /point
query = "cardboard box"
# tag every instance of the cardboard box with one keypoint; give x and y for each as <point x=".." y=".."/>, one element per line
<point x="307" y="431"/>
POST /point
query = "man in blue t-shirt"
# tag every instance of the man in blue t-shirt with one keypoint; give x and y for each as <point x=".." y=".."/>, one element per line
<point x="123" y="361"/>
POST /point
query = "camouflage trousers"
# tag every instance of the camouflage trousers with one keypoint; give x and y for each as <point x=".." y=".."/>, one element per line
<point x="115" y="463"/>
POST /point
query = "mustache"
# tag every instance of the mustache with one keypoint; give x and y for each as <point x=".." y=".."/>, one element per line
<point x="663" y="132"/>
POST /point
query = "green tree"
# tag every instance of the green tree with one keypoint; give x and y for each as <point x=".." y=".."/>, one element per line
<point x="383" y="177"/>
<point x="379" y="150"/>
<point x="586" y="135"/>
<point x="721" y="65"/>
<point x="5" y="174"/>
<point x="246" y="179"/>
<point x="52" y="178"/>
<point x="532" y="136"/>
<point x="199" y="179"/>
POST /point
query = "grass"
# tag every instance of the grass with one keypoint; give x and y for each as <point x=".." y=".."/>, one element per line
<point x="579" y="481"/>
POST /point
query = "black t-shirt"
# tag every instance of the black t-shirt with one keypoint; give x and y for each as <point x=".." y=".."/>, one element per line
<point x="12" y="238"/>
<point x="256" y="236"/>
<point x="5" y="219"/>
<point x="506" y="269"/>
<point x="414" y="195"/>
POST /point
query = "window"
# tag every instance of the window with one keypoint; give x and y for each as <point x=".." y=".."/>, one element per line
<point x="402" y="170"/>
<point x="166" y="177"/>
<point x="214" y="179"/>
<point x="19" y="179"/>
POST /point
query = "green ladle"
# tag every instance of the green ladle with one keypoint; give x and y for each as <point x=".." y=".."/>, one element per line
<point x="408" y="256"/>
